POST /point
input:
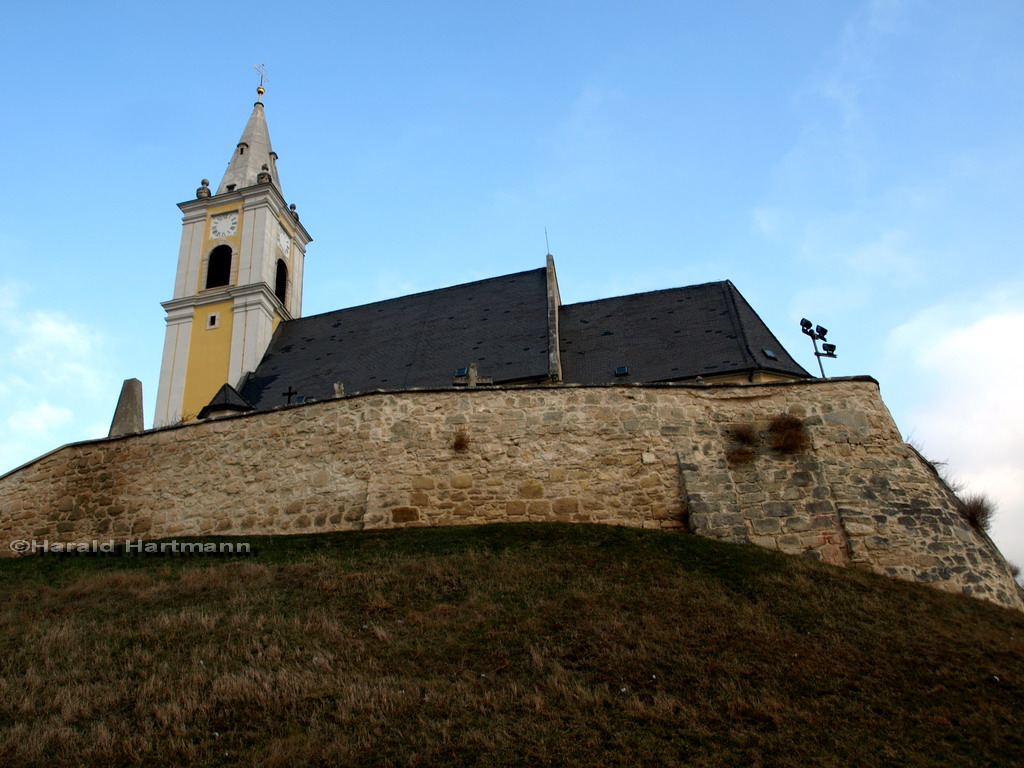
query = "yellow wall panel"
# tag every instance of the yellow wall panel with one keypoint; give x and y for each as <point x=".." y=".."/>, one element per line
<point x="209" y="352"/>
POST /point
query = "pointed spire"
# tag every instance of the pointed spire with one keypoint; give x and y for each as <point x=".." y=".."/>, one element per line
<point x="253" y="156"/>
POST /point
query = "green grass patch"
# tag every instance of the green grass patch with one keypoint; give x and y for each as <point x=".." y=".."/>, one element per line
<point x="499" y="645"/>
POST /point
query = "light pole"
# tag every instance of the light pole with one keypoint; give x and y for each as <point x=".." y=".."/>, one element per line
<point x="817" y="333"/>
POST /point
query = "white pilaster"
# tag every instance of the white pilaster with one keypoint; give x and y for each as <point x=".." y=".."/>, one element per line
<point x="255" y="308"/>
<point x="171" y="389"/>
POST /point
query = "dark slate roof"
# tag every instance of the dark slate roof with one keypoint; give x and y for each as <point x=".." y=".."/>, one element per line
<point x="680" y="333"/>
<point x="414" y="341"/>
<point x="226" y="399"/>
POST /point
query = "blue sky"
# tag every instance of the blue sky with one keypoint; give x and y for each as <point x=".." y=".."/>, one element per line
<point x="857" y="163"/>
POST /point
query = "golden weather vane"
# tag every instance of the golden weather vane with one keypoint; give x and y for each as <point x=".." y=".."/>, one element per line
<point x="262" y="69"/>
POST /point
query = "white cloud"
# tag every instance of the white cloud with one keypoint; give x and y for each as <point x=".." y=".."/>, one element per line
<point x="889" y="253"/>
<point x="54" y="382"/>
<point x="38" y="420"/>
<point x="971" y="414"/>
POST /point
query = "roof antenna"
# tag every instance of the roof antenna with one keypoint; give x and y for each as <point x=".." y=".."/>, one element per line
<point x="546" y="243"/>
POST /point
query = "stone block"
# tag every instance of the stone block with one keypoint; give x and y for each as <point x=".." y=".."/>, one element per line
<point x="802" y="479"/>
<point x="858" y="529"/>
<point x="515" y="508"/>
<point x="405" y="514"/>
<point x="423" y="483"/>
<point x="462" y="481"/>
<point x="852" y="419"/>
<point x="725" y="519"/>
<point x="821" y="507"/>
<point x="538" y="508"/>
<point x="797" y="524"/>
<point x="765" y="525"/>
<point x="566" y="505"/>
<point x="531" y="489"/>
<point x="778" y="509"/>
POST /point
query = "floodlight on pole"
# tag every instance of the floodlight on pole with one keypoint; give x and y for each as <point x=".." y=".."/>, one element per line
<point x="818" y="334"/>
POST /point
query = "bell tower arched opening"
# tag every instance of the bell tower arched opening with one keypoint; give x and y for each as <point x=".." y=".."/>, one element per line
<point x="218" y="271"/>
<point x="281" y="283"/>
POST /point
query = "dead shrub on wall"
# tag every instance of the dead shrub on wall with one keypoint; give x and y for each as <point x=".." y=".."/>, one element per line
<point x="743" y="439"/>
<point x="744" y="434"/>
<point x="977" y="510"/>
<point x="460" y="441"/>
<point x="788" y="434"/>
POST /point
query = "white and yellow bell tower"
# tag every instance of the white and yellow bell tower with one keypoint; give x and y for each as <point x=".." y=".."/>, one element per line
<point x="239" y="274"/>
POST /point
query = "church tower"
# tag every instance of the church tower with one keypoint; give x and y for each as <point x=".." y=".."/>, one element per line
<point x="239" y="274"/>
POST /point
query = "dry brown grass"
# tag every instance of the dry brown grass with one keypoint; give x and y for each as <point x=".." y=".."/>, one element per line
<point x="499" y="646"/>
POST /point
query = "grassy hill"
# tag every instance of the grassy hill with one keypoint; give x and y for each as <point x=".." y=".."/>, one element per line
<point x="503" y="645"/>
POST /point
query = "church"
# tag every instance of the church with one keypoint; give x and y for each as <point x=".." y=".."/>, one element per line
<point x="236" y="340"/>
<point x="487" y="402"/>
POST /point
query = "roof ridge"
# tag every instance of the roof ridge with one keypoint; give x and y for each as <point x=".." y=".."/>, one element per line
<point x="731" y="290"/>
<point x="767" y="328"/>
<point x="648" y="293"/>
<point x="413" y="295"/>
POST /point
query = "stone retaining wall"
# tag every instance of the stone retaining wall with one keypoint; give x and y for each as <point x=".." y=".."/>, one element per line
<point x="644" y="455"/>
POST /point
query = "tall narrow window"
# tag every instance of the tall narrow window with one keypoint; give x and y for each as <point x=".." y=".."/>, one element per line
<point x="218" y="272"/>
<point x="281" y="284"/>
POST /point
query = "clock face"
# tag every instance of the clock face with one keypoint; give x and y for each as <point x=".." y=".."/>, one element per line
<point x="283" y="241"/>
<point x="224" y="225"/>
